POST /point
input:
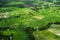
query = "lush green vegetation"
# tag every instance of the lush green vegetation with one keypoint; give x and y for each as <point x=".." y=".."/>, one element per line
<point x="24" y="18"/>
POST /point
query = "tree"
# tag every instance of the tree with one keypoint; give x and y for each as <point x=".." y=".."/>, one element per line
<point x="3" y="2"/>
<point x="49" y="0"/>
<point x="29" y="1"/>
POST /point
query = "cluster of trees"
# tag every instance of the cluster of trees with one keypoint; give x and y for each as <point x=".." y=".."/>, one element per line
<point x="3" y="36"/>
<point x="3" y="2"/>
<point x="28" y="2"/>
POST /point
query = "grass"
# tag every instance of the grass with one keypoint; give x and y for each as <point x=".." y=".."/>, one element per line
<point x="25" y="20"/>
<point x="45" y="35"/>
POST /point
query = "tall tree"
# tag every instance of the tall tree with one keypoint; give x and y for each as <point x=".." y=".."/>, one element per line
<point x="3" y="2"/>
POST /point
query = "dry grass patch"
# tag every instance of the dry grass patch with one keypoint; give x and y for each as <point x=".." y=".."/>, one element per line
<point x="57" y="32"/>
<point x="39" y="16"/>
